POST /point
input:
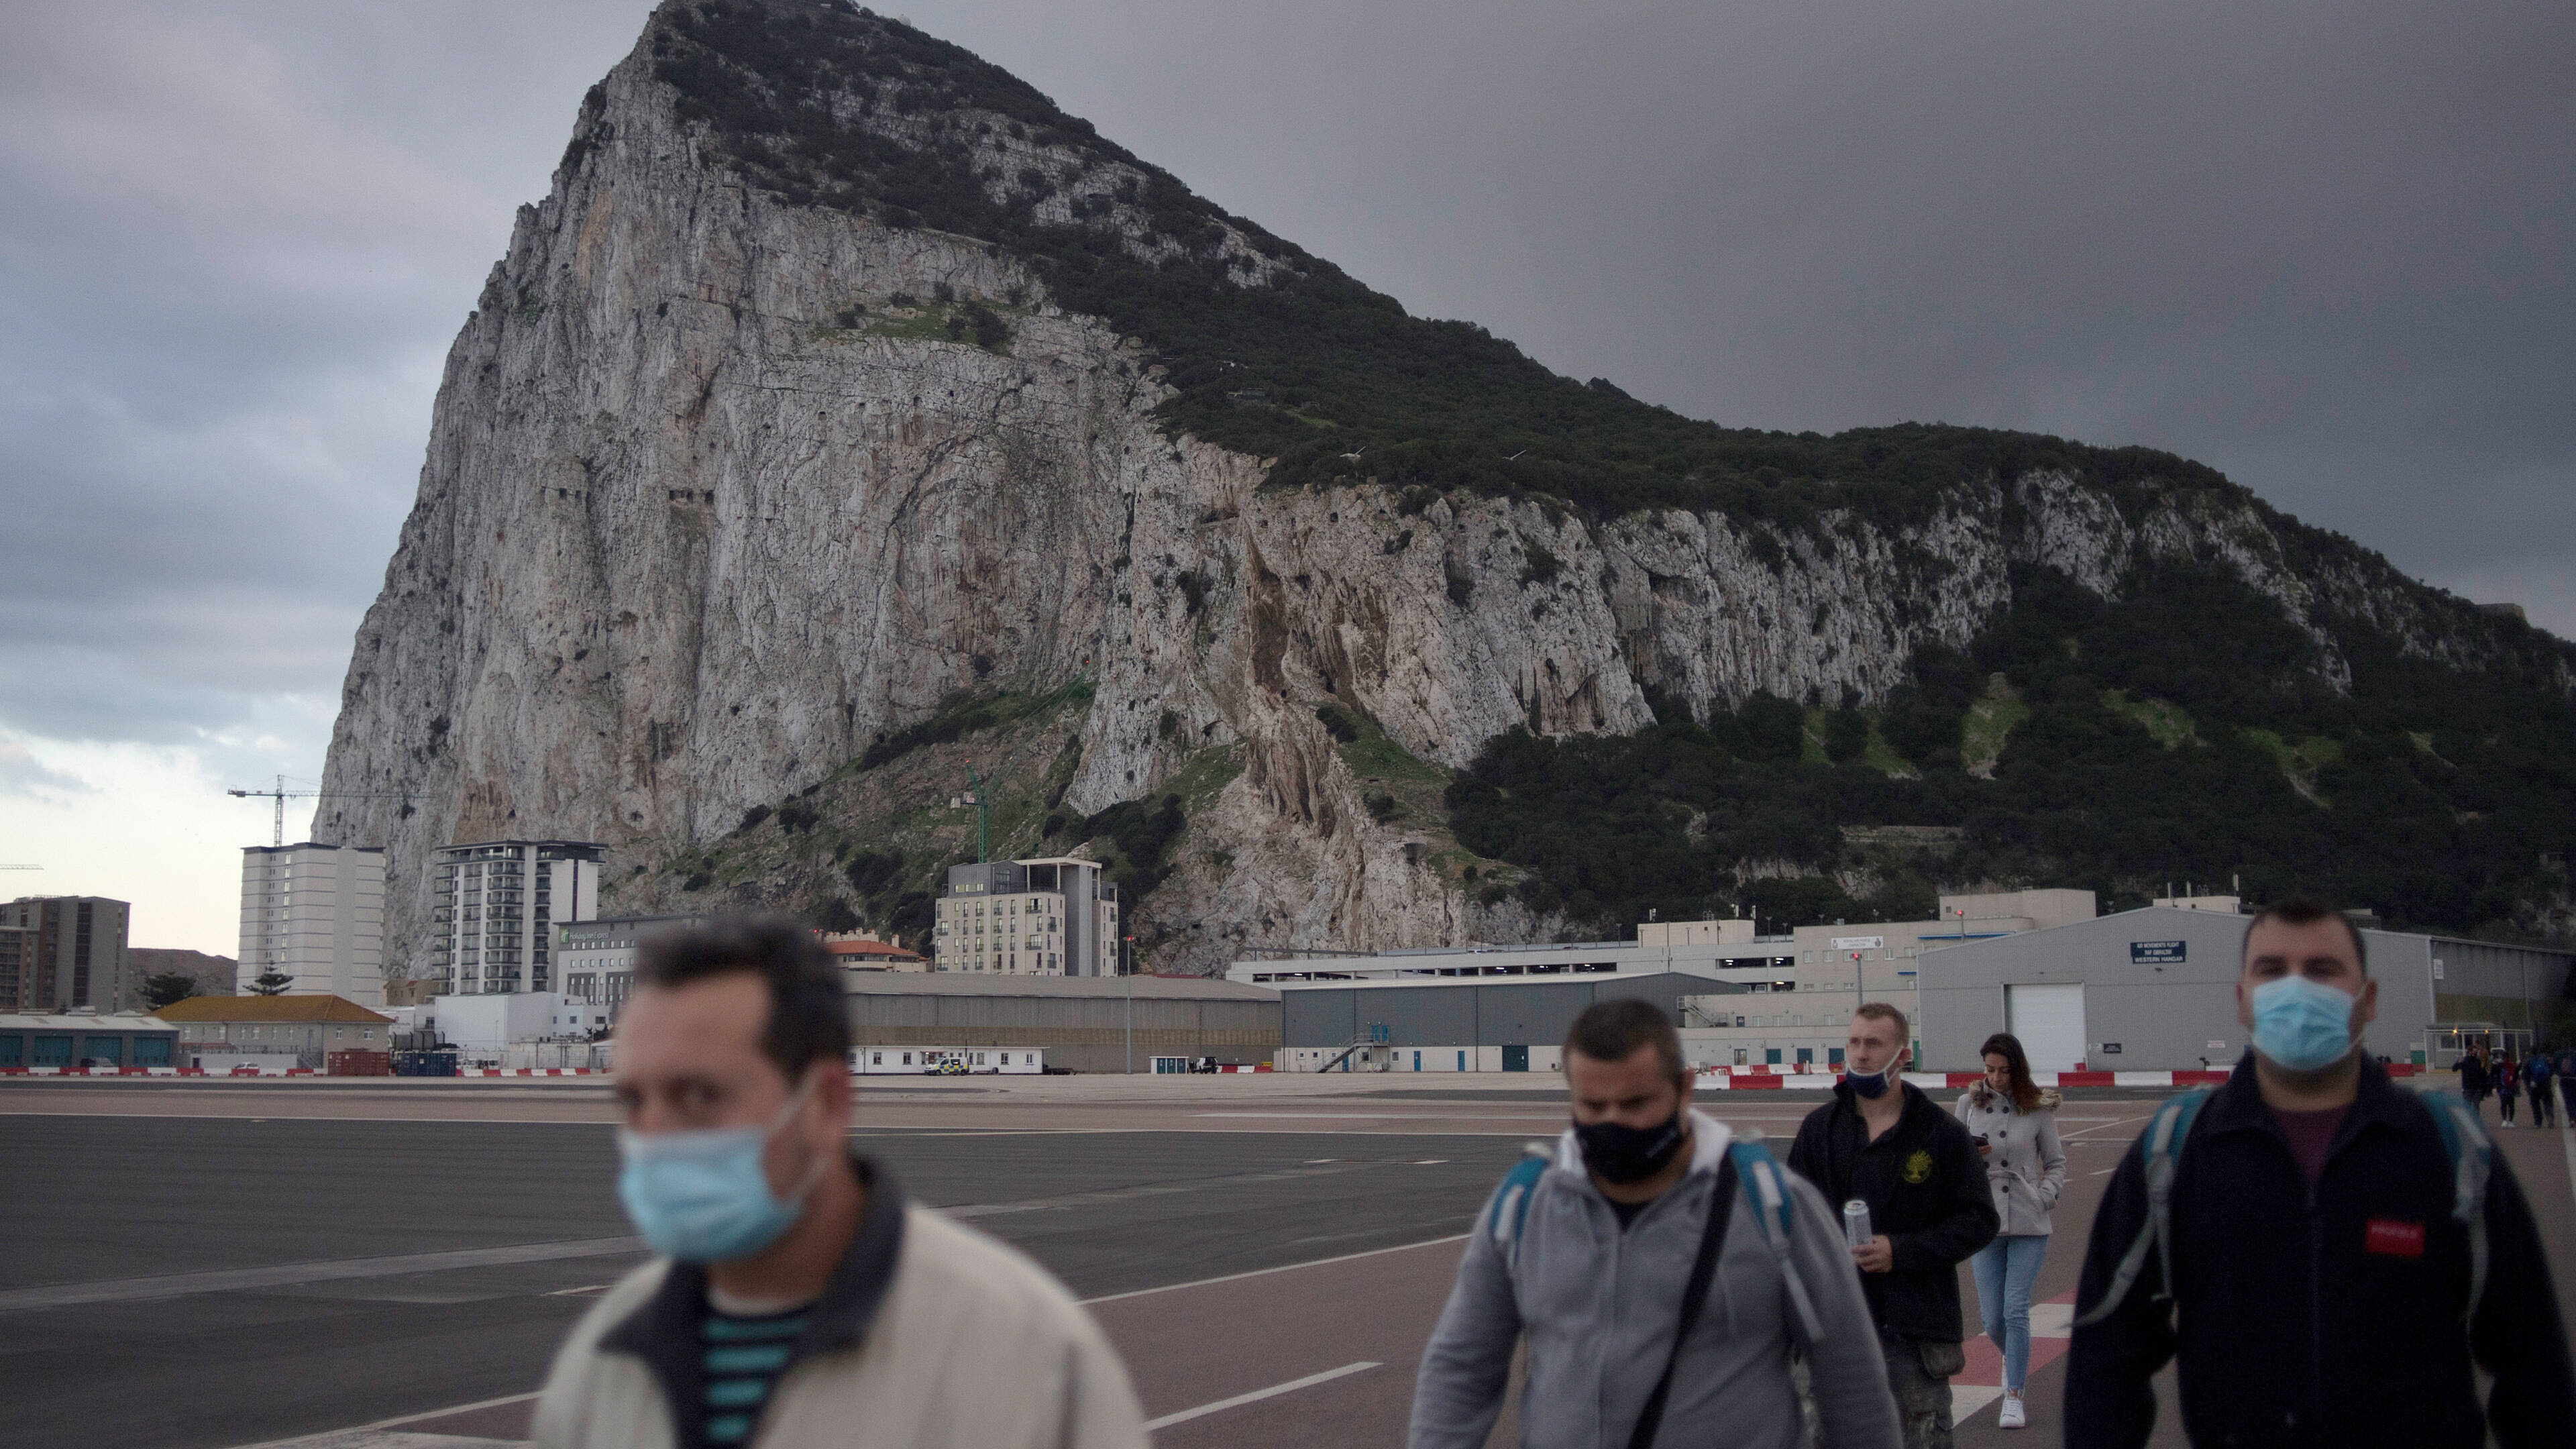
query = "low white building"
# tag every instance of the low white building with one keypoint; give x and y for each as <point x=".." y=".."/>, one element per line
<point x="1772" y="1000"/>
<point x="486" y="1023"/>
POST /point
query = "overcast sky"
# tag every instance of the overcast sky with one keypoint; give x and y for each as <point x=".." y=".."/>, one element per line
<point x="2323" y="247"/>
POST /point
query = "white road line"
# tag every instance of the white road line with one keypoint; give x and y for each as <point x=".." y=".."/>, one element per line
<point x="1257" y="1395"/>
<point x="2567" y="1144"/>
<point x="342" y="1435"/>
<point x="1266" y="1272"/>
<point x="280" y="1275"/>
<point x="2105" y="1172"/>
<point x="2107" y="1126"/>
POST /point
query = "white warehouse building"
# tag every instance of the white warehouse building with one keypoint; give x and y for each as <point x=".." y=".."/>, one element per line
<point x="1769" y="1000"/>
<point x="2155" y="989"/>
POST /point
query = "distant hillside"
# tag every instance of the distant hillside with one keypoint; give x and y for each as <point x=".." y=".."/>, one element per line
<point x="214" y="975"/>
<point x="847" y="415"/>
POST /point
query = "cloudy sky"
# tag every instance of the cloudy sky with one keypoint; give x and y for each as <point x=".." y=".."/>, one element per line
<point x="2324" y="247"/>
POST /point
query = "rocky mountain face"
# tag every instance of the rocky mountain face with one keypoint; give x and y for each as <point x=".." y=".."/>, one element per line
<point x="751" y="458"/>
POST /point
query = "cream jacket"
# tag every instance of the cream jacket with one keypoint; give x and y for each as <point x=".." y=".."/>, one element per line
<point x="930" y="1336"/>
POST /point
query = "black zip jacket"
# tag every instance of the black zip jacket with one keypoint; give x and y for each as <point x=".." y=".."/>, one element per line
<point x="2329" y="1317"/>
<point x="1926" y="1190"/>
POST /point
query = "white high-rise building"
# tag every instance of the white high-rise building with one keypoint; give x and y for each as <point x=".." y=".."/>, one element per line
<point x="498" y="904"/>
<point x="1052" y="917"/>
<point x="316" y="914"/>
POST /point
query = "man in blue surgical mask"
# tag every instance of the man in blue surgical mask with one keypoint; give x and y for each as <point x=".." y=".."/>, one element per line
<point x="2328" y="1269"/>
<point x="796" y="1297"/>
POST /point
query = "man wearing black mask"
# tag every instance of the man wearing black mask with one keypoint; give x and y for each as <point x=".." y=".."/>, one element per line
<point x="1883" y="1143"/>
<point x="1660" y="1273"/>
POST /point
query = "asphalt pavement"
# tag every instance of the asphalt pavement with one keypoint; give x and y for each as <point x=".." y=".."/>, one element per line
<point x="195" y="1266"/>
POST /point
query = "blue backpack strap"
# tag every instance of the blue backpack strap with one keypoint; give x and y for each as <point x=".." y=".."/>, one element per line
<point x="2471" y="1153"/>
<point x="1766" y="1192"/>
<point x="1510" y="1206"/>
<point x="2161" y="1144"/>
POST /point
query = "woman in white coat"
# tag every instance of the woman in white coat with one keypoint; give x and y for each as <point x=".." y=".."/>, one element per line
<point x="2015" y="1127"/>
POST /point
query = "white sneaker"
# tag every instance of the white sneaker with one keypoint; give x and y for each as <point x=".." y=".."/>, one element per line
<point x="2011" y="1417"/>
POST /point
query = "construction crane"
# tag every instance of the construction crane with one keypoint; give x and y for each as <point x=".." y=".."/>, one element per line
<point x="277" y="830"/>
<point x="983" y="812"/>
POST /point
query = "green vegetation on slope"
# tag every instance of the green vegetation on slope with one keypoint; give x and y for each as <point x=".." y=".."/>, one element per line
<point x="836" y="107"/>
<point x="2137" y="750"/>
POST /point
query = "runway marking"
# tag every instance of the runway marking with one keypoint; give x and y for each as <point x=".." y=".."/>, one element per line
<point x="341" y="1435"/>
<point x="2567" y="1144"/>
<point x="1266" y="1272"/>
<point x="1257" y="1395"/>
<point x="280" y="1275"/>
<point x="1158" y="1189"/>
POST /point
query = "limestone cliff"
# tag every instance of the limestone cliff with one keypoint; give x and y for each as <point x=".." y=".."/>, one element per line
<point x="733" y="474"/>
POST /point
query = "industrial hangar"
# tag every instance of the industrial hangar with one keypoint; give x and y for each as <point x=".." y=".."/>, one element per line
<point x="1081" y="1023"/>
<point x="2155" y="989"/>
<point x="1471" y="1024"/>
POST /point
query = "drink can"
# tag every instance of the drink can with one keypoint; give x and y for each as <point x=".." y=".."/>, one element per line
<point x="1856" y="1222"/>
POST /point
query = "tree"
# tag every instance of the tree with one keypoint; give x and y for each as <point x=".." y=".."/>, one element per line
<point x="270" y="982"/>
<point x="169" y="986"/>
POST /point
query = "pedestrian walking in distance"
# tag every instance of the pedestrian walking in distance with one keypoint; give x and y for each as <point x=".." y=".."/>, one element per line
<point x="1659" y="1272"/>
<point x="2508" y="1084"/>
<point x="2474" y="1081"/>
<point x="2538" y="1072"/>
<point x="1911" y="1167"/>
<point x="2014" y="1124"/>
<point x="2330" y="1257"/>
<point x="795" y="1297"/>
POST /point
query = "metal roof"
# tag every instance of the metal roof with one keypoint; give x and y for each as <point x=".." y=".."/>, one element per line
<point x="305" y="1007"/>
<point x="65" y="1021"/>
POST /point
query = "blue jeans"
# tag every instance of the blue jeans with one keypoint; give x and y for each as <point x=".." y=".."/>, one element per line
<point x="2005" y="1269"/>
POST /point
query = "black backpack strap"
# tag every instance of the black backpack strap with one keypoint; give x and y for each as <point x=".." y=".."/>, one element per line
<point x="1712" y="1239"/>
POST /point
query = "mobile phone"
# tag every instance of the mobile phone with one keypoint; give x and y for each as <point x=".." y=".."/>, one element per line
<point x="1981" y="1139"/>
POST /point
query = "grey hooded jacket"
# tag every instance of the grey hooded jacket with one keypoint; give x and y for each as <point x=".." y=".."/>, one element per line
<point x="1599" y="1306"/>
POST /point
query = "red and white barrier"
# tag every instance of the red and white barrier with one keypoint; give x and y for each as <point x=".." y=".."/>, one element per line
<point x="1756" y="1079"/>
<point x="534" y="1072"/>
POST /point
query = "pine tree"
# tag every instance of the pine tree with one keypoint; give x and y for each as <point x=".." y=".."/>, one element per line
<point x="270" y="982"/>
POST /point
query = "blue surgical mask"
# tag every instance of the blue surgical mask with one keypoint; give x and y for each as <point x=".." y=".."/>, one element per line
<point x="2302" y="1025"/>
<point x="703" y="1197"/>
<point x="1871" y="1084"/>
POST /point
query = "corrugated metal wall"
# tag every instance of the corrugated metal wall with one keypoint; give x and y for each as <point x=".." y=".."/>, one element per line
<point x="1478" y="1013"/>
<point x="1085" y="1033"/>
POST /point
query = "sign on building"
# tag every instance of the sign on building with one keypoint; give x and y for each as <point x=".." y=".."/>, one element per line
<point x="1859" y="943"/>
<point x="2156" y="953"/>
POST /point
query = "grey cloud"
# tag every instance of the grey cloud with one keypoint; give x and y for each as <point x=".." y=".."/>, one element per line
<point x="2323" y="248"/>
<point x="22" y="774"/>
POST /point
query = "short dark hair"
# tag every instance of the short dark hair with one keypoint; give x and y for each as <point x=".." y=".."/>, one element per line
<point x="1881" y="1011"/>
<point x="809" y="1012"/>
<point x="1612" y="1031"/>
<point x="2305" y="911"/>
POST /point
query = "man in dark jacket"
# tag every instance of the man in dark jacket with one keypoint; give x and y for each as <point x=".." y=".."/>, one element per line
<point x="2320" y="1288"/>
<point x="1882" y="1141"/>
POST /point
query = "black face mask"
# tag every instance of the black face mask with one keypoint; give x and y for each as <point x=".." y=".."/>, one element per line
<point x="1622" y="1153"/>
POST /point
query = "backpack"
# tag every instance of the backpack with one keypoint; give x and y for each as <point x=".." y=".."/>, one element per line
<point x="2464" y="1143"/>
<point x="1757" y="1172"/>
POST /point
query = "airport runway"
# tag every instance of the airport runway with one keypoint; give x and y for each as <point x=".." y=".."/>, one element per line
<point x="195" y="1266"/>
